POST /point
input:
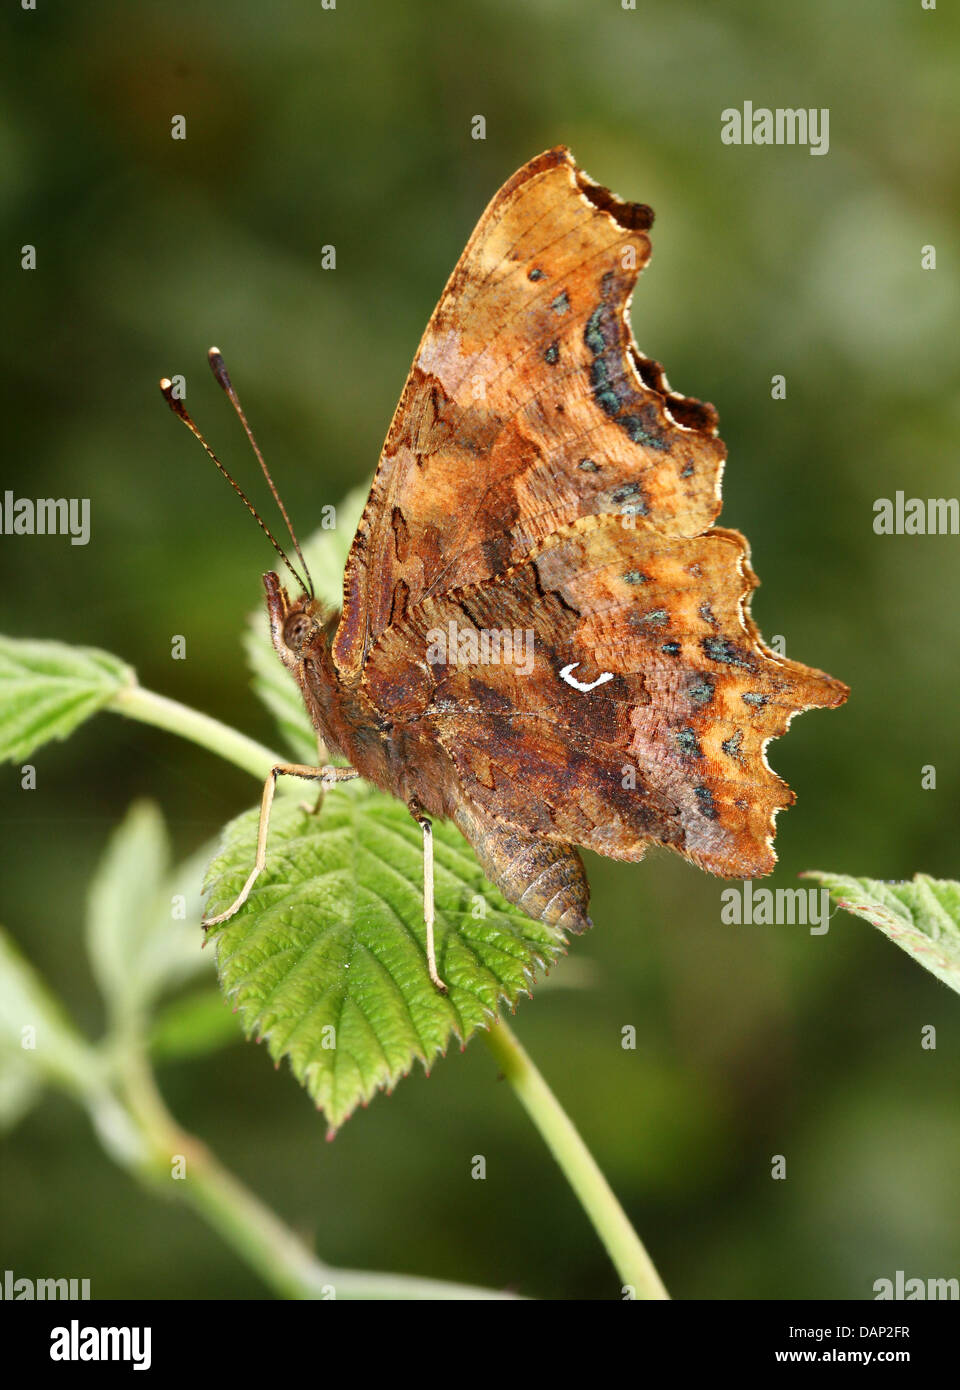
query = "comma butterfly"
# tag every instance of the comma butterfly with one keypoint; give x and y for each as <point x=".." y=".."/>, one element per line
<point x="544" y="637"/>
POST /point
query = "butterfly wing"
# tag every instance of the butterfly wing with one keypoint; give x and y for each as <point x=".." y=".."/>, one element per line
<point x="528" y="405"/>
<point x="623" y="695"/>
<point x="541" y="481"/>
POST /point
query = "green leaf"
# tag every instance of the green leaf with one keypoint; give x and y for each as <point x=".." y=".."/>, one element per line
<point x="326" y="554"/>
<point x="48" y="688"/>
<point x="326" y="959"/>
<point x="922" y="916"/>
<point x="143" y="920"/>
<point x="38" y="1042"/>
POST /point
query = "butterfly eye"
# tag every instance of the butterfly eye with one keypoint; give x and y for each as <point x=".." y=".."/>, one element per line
<point x="297" y="631"/>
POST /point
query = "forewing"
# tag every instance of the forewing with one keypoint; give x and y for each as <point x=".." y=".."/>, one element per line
<point x="528" y="406"/>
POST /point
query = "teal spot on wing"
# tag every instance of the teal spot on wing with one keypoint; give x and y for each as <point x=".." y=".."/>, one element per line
<point x="592" y="334"/>
<point x="613" y="392"/>
<point x="731" y="745"/>
<point x="727" y="653"/>
<point x="700" y="690"/>
<point x="688" y="743"/>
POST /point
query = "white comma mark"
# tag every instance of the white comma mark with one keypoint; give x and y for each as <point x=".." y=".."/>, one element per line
<point x="583" y="685"/>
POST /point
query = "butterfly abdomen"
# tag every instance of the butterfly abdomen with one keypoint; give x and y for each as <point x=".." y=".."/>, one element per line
<point x="547" y="880"/>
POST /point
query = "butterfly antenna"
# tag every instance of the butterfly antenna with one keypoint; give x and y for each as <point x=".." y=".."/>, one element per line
<point x="219" y="369"/>
<point x="178" y="408"/>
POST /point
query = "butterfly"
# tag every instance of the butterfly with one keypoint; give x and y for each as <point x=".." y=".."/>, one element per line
<point x="544" y="637"/>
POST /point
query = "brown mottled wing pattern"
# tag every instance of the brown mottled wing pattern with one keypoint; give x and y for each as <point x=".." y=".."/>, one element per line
<point x="667" y="747"/>
<point x="528" y="405"/>
<point x="541" y="478"/>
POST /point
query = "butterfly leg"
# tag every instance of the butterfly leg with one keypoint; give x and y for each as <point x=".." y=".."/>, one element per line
<point x="426" y="825"/>
<point x="322" y="758"/>
<point x="326" y="776"/>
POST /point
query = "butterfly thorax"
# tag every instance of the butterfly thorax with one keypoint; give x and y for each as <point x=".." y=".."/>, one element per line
<point x="395" y="755"/>
<point x="302" y="631"/>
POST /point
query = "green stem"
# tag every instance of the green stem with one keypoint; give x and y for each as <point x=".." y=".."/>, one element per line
<point x="559" y="1133"/>
<point x="578" y="1165"/>
<point x="234" y="747"/>
<point x="245" y="1223"/>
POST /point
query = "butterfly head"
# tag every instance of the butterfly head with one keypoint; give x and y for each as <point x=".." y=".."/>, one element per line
<point x="296" y="625"/>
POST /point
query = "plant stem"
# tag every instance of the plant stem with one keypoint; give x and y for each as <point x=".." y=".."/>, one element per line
<point x="137" y="703"/>
<point x="578" y="1165"/>
<point x="223" y="1199"/>
<point x="272" y="1250"/>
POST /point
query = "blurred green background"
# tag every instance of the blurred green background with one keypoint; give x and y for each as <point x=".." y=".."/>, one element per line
<point x="352" y="127"/>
